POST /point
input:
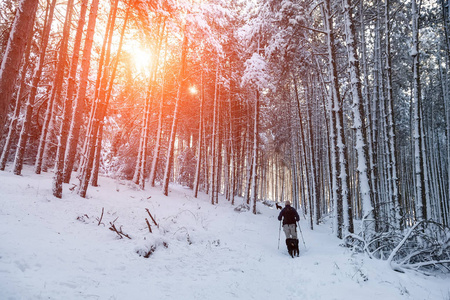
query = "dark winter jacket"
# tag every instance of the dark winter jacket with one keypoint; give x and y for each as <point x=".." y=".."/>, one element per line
<point x="290" y="215"/>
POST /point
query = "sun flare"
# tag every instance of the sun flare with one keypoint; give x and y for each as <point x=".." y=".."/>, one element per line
<point x="193" y="90"/>
<point x="141" y="59"/>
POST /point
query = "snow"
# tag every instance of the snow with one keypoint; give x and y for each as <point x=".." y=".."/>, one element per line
<point x="256" y="73"/>
<point x="54" y="249"/>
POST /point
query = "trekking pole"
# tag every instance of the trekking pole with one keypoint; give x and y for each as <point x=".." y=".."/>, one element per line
<point x="301" y="233"/>
<point x="279" y="230"/>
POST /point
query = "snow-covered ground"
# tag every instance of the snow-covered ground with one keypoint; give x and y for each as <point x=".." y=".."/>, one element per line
<point x="54" y="249"/>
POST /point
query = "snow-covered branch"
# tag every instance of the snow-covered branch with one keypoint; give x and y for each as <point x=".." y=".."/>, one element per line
<point x="407" y="235"/>
<point x="256" y="74"/>
<point x="424" y="247"/>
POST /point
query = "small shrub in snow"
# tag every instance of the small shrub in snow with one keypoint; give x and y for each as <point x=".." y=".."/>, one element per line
<point x="242" y="208"/>
<point x="83" y="218"/>
<point x="148" y="250"/>
<point x="183" y="234"/>
<point x="268" y="203"/>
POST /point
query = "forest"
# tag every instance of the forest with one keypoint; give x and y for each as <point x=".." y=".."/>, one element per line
<point x="341" y="107"/>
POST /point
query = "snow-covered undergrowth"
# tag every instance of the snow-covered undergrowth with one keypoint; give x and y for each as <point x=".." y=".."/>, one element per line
<point x="64" y="249"/>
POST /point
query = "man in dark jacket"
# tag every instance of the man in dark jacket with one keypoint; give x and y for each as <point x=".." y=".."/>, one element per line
<point x="290" y="218"/>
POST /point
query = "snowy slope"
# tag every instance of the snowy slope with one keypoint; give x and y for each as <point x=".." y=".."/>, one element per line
<point x="54" y="249"/>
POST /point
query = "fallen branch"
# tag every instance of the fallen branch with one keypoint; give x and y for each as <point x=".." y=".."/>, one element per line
<point x="119" y="232"/>
<point x="396" y="249"/>
<point x="424" y="247"/>
<point x="101" y="217"/>
<point x="427" y="263"/>
<point x="148" y="224"/>
<point x="148" y="211"/>
<point x="418" y="266"/>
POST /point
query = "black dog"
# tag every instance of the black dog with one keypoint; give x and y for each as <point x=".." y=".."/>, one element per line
<point x="292" y="246"/>
<point x="278" y="206"/>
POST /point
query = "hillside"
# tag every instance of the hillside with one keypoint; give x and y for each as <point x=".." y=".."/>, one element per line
<point x="54" y="249"/>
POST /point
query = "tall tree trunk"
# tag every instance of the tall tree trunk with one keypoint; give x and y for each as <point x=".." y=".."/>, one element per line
<point x="255" y="153"/>
<point x="18" y="37"/>
<point x="200" y="141"/>
<point x="214" y="138"/>
<point x="101" y="85"/>
<point x="108" y="95"/>
<point x="97" y="155"/>
<point x="219" y="148"/>
<point x="312" y="155"/>
<point x="170" y="150"/>
<point x="446" y="80"/>
<point x="293" y="154"/>
<point x="340" y="152"/>
<point x="157" y="147"/>
<point x="68" y="104"/>
<point x="373" y="106"/>
<point x="358" y="117"/>
<point x="99" y="112"/>
<point x="248" y="158"/>
<point x="396" y="197"/>
<point x="49" y="121"/>
<point x="141" y="164"/>
<point x="303" y="159"/>
<point x="233" y="147"/>
<point x="12" y="130"/>
<point x="418" y="155"/>
<point x="79" y="105"/>
<point x="24" y="133"/>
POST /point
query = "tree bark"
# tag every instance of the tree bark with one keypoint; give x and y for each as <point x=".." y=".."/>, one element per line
<point x="49" y="122"/>
<point x="101" y="104"/>
<point x="359" y="124"/>
<point x="200" y="141"/>
<point x="255" y="154"/>
<point x="141" y="164"/>
<point x="303" y="142"/>
<point x="68" y="103"/>
<point x="396" y="197"/>
<point x="418" y="155"/>
<point x="12" y="130"/>
<point x="18" y="37"/>
<point x="23" y="137"/>
<point x="339" y="177"/>
<point x="170" y="150"/>
<point x="214" y="136"/>
<point x="79" y="105"/>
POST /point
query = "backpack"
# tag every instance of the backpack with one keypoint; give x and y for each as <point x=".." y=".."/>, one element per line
<point x="289" y="215"/>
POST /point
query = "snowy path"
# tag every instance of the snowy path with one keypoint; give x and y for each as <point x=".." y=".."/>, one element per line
<point x="213" y="252"/>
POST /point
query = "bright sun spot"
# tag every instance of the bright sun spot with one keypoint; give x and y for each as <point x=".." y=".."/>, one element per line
<point x="141" y="59"/>
<point x="193" y="90"/>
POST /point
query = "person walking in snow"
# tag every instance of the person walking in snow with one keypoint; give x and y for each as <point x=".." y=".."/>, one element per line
<point x="290" y="218"/>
